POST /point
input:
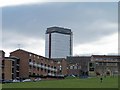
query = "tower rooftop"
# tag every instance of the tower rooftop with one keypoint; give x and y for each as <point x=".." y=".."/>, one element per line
<point x="58" y="30"/>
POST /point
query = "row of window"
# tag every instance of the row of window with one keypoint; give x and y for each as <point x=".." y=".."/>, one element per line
<point x="37" y="62"/>
<point x="43" y="70"/>
<point x="107" y="64"/>
<point x="74" y="67"/>
<point x="52" y="74"/>
<point x="32" y="60"/>
<point x="35" y="56"/>
<point x="42" y="66"/>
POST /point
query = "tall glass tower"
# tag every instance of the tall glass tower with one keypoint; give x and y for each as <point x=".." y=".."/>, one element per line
<point x="58" y="42"/>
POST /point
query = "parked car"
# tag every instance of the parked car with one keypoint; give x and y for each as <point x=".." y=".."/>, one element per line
<point x="26" y="80"/>
<point x="37" y="79"/>
<point x="73" y="75"/>
<point x="16" y="80"/>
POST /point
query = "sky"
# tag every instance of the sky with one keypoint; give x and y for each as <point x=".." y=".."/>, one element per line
<point x="94" y="25"/>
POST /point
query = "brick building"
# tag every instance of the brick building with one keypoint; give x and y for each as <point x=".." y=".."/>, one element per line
<point x="33" y="65"/>
<point x="9" y="67"/>
<point x="104" y="64"/>
<point x="78" y="65"/>
<point x="63" y="65"/>
<point x="22" y="64"/>
<point x="2" y="54"/>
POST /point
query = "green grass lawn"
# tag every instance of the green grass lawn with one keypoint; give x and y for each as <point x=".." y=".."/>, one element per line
<point x="108" y="82"/>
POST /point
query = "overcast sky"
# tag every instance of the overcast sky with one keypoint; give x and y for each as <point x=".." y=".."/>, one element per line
<point x="94" y="26"/>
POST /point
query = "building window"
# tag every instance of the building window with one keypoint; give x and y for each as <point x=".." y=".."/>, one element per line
<point x="115" y="64"/>
<point x="41" y="69"/>
<point x="45" y="65"/>
<point x="12" y="70"/>
<point x="45" y="70"/>
<point x="37" y="63"/>
<point x="17" y="68"/>
<point x="48" y="71"/>
<point x="79" y="67"/>
<point x="3" y="62"/>
<point x="104" y="64"/>
<point x="30" y="67"/>
<point x="91" y="64"/>
<point x="18" y="61"/>
<point x="29" y="73"/>
<point x="12" y="63"/>
<point x="41" y="64"/>
<point x="51" y="61"/>
<point x="60" y="71"/>
<point x="54" y="67"/>
<point x="30" y="55"/>
<point x="51" y="66"/>
<point x="3" y="76"/>
<point x="30" y="60"/>
<point x="100" y="64"/>
<point x="12" y="76"/>
<point x="33" y="74"/>
<point x="75" y="67"/>
<point x="58" y="62"/>
<point x="71" y="67"/>
<point x="38" y="68"/>
<point x="34" y="67"/>
<point x="38" y="57"/>
<point x="17" y="74"/>
<point x="34" y="61"/>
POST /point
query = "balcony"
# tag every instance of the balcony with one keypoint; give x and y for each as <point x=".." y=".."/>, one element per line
<point x="17" y="64"/>
<point x="30" y="63"/>
<point x="42" y="66"/>
<point x="39" y="65"/>
<point x="35" y="65"/>
<point x="46" y="67"/>
<point x="50" y="74"/>
<point x="17" y="70"/>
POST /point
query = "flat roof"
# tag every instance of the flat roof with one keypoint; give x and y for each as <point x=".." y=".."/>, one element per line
<point x="58" y="30"/>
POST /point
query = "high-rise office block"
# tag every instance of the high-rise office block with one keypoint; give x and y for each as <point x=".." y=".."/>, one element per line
<point x="58" y="42"/>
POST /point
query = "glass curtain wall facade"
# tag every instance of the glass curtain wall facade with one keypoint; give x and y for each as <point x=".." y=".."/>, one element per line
<point x="58" y="42"/>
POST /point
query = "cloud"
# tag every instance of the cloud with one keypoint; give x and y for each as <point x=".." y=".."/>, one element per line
<point x="105" y="45"/>
<point x="12" y="39"/>
<point x="5" y="3"/>
<point x="89" y="22"/>
<point x="94" y="31"/>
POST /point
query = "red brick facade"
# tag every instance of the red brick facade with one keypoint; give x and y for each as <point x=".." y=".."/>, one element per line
<point x="35" y="65"/>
